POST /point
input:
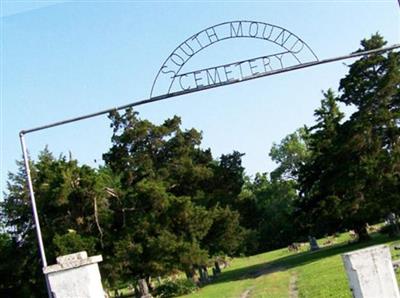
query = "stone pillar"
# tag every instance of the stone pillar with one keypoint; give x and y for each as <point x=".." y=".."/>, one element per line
<point x="75" y="275"/>
<point x="370" y="273"/>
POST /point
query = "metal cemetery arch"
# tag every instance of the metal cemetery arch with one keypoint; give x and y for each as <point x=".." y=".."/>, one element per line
<point x="292" y="46"/>
<point x="290" y="43"/>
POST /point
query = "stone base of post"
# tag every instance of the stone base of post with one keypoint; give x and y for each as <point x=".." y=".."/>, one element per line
<point x="370" y="273"/>
<point x="75" y="275"/>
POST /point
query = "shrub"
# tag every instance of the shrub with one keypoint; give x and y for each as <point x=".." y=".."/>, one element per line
<point x="389" y="229"/>
<point x="175" y="288"/>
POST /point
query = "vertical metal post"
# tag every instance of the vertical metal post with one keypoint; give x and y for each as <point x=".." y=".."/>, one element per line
<point x="34" y="209"/>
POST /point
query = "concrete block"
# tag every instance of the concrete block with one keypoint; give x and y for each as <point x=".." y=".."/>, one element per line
<point x="370" y="273"/>
<point x="75" y="275"/>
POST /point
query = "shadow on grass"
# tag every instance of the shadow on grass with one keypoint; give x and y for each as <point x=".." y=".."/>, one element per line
<point x="298" y="259"/>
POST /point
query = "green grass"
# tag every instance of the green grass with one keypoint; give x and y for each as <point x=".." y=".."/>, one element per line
<point x="317" y="274"/>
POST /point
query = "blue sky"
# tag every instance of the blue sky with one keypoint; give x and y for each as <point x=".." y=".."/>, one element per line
<point x="67" y="58"/>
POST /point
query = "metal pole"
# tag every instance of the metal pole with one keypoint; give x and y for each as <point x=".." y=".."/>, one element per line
<point x="34" y="209"/>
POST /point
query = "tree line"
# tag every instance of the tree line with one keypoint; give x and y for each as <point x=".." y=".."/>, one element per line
<point x="162" y="204"/>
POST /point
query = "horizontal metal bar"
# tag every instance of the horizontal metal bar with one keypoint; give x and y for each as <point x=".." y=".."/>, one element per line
<point x="202" y="88"/>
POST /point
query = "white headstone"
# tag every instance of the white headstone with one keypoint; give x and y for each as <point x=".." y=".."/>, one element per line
<point x="370" y="273"/>
<point x="75" y="275"/>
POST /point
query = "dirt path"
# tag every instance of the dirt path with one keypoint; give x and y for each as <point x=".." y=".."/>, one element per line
<point x="257" y="273"/>
<point x="293" y="291"/>
<point x="246" y="293"/>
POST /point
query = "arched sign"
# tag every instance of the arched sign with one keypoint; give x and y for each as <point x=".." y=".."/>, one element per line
<point x="170" y="79"/>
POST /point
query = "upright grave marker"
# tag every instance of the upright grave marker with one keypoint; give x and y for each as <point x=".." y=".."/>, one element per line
<point x="75" y="275"/>
<point x="370" y="273"/>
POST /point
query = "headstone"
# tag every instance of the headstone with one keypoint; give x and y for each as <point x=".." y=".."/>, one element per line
<point x="144" y="289"/>
<point x="217" y="268"/>
<point x="393" y="222"/>
<point x="396" y="265"/>
<point x="214" y="271"/>
<point x="159" y="280"/>
<point x="313" y="243"/>
<point x="205" y="273"/>
<point x="75" y="275"/>
<point x="391" y="218"/>
<point x="202" y="277"/>
<point x="370" y="273"/>
<point x="191" y="274"/>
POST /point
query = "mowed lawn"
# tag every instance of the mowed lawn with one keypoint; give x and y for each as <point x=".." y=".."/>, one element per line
<point x="281" y="273"/>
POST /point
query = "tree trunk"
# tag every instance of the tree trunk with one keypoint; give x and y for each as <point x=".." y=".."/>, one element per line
<point x="189" y="274"/>
<point x="362" y="232"/>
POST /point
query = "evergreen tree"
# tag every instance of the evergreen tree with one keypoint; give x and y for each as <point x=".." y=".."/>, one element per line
<point x="317" y="180"/>
<point x="170" y="219"/>
<point x="353" y="176"/>
<point x="72" y="208"/>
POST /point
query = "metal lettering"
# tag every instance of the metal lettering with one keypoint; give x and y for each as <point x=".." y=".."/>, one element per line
<point x="240" y="68"/>
<point x="280" y="59"/>
<point x="197" y="79"/>
<point x="169" y="71"/>
<point x="267" y="62"/>
<point x="213" y="34"/>
<point x="210" y="78"/>
<point x="283" y="39"/>
<point x="191" y="52"/>
<point x="253" y="66"/>
<point x="180" y="82"/>
<point x="176" y="63"/>
<point x="228" y="72"/>
<point x="238" y="31"/>
<point x="294" y="45"/>
<point x="270" y="32"/>
<point x="253" y="25"/>
<point x="198" y="41"/>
